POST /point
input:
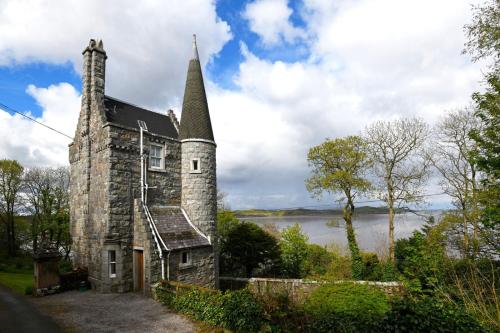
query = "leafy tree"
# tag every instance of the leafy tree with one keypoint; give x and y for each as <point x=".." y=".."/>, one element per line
<point x="483" y="42"/>
<point x="338" y="166"/>
<point x="395" y="148"/>
<point x="11" y="173"/>
<point x="294" y="251"/>
<point x="483" y="34"/>
<point x="245" y="247"/>
<point x="47" y="199"/>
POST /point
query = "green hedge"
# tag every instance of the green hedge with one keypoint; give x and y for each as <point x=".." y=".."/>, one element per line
<point x="428" y="315"/>
<point x="238" y="311"/>
<point x="340" y="307"/>
<point x="346" y="307"/>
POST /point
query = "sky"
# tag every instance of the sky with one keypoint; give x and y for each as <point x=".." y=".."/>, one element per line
<point x="281" y="76"/>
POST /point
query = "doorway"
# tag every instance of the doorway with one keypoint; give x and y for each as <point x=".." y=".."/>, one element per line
<point x="139" y="270"/>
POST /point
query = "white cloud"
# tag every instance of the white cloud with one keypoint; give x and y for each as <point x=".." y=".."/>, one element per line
<point x="369" y="59"/>
<point x="270" y="19"/>
<point x="148" y="42"/>
<point x="32" y="144"/>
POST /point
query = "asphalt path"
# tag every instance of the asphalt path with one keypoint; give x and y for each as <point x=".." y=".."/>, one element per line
<point x="19" y="315"/>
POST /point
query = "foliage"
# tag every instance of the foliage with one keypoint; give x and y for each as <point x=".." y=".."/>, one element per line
<point x="238" y="310"/>
<point x="10" y="187"/>
<point x="338" y="166"/>
<point x="294" y="252"/>
<point x="281" y="314"/>
<point x="345" y="307"/>
<point x="47" y="199"/>
<point x="483" y="34"/>
<point x="318" y="260"/>
<point x="420" y="261"/>
<point x="245" y="247"/>
<point x="427" y="315"/>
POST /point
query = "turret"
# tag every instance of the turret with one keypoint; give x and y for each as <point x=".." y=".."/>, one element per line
<point x="199" y="185"/>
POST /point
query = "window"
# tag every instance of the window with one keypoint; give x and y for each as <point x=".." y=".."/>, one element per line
<point x="112" y="263"/>
<point x="195" y="166"/>
<point x="156" y="157"/>
<point x="185" y="258"/>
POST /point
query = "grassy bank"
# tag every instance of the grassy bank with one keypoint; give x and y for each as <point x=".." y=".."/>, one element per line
<point x="18" y="281"/>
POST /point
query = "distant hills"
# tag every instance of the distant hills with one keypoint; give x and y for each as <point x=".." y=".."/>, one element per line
<point x="310" y="212"/>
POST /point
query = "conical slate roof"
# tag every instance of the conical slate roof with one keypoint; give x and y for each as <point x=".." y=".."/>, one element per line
<point x="195" y="118"/>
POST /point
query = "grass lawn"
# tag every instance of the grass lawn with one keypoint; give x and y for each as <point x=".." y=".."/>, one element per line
<point x="18" y="281"/>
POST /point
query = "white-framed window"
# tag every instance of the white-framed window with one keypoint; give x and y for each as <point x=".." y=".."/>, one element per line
<point x="112" y="263"/>
<point x="185" y="259"/>
<point x="156" y="156"/>
<point x="195" y="166"/>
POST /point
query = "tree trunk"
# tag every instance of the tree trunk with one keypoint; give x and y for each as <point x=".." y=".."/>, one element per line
<point x="357" y="262"/>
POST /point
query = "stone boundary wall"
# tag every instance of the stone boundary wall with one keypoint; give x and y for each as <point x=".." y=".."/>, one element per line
<point x="296" y="289"/>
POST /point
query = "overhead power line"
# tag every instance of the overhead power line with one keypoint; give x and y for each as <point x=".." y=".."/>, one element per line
<point x="9" y="109"/>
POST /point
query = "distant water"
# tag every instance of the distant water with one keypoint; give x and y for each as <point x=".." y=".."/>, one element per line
<point x="371" y="229"/>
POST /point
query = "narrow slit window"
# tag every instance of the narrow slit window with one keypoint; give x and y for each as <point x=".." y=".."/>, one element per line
<point x="112" y="263"/>
<point x="195" y="165"/>
<point x="156" y="157"/>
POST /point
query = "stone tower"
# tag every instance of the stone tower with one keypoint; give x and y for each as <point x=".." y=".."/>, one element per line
<point x="199" y="188"/>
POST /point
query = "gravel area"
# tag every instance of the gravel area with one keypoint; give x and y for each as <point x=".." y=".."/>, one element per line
<point x="81" y="312"/>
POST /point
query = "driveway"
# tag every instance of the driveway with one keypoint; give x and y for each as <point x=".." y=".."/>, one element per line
<point x="19" y="315"/>
<point x="78" y="312"/>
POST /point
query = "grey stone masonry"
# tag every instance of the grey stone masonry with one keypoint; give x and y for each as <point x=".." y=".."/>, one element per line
<point x="199" y="188"/>
<point x="106" y="219"/>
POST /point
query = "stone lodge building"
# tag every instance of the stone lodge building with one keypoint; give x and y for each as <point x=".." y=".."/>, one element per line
<point x="143" y="187"/>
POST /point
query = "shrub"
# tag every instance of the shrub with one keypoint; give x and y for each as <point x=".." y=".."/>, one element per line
<point x="238" y="310"/>
<point x="427" y="315"/>
<point x="345" y="307"/>
<point x="318" y="259"/>
<point x="294" y="251"/>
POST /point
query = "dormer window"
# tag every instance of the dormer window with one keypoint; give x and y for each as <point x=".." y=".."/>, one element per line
<point x="156" y="157"/>
<point x="195" y="166"/>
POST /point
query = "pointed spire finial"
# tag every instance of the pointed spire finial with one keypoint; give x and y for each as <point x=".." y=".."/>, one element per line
<point x="195" y="49"/>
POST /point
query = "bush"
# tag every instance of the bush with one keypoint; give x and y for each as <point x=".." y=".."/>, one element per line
<point x="346" y="307"/>
<point x="427" y="315"/>
<point x="294" y="251"/>
<point x="318" y="259"/>
<point x="238" y="311"/>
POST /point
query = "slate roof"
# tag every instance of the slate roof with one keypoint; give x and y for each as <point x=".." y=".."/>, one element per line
<point x="195" y="118"/>
<point x="175" y="230"/>
<point x="126" y="114"/>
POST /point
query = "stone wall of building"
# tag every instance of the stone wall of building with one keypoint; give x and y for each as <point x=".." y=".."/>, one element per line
<point x="200" y="272"/>
<point x="143" y="240"/>
<point x="89" y="155"/>
<point x="199" y="189"/>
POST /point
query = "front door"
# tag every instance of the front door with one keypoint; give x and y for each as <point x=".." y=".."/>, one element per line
<point x="139" y="270"/>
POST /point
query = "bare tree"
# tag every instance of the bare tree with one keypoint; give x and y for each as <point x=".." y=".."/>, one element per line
<point x="399" y="165"/>
<point x="10" y="186"/>
<point x="453" y="155"/>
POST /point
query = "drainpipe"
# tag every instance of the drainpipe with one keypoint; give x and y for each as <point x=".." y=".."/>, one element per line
<point x="162" y="266"/>
<point x="168" y="266"/>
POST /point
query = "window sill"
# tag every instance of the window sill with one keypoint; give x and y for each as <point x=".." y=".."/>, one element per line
<point x="157" y="170"/>
<point x="198" y="171"/>
<point x="185" y="266"/>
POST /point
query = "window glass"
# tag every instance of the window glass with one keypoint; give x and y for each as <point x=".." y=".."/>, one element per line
<point x="155" y="156"/>
<point x="112" y="263"/>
